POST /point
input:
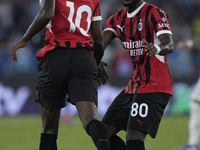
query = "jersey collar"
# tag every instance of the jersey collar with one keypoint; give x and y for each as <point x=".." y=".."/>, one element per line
<point x="130" y="15"/>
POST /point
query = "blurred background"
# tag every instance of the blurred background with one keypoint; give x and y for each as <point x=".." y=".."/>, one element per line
<point x="18" y="81"/>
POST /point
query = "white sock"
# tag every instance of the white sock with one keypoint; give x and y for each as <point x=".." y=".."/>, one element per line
<point x="194" y="124"/>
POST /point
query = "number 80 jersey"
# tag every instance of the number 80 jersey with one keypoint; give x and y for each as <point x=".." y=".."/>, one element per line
<point x="70" y="25"/>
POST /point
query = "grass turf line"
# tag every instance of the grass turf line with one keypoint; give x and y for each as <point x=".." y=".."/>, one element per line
<point x="23" y="132"/>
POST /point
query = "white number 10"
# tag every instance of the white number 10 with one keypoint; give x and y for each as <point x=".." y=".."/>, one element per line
<point x="80" y="10"/>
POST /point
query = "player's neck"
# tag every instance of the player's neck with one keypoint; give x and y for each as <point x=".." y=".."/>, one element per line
<point x="131" y="9"/>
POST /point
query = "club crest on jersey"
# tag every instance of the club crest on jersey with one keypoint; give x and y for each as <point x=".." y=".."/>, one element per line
<point x="140" y="26"/>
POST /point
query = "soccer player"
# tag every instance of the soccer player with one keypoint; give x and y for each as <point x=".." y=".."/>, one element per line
<point x="194" y="122"/>
<point x="145" y="33"/>
<point x="67" y="66"/>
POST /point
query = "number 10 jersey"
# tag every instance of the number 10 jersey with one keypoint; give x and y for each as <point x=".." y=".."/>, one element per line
<point x="70" y="25"/>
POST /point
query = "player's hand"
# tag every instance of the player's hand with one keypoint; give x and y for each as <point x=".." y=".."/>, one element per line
<point x="150" y="48"/>
<point x="102" y="76"/>
<point x="20" y="44"/>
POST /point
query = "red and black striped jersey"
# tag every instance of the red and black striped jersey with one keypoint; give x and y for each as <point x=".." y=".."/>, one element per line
<point x="150" y="74"/>
<point x="70" y="25"/>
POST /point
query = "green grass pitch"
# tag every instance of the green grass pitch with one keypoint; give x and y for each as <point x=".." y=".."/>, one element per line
<point x="23" y="133"/>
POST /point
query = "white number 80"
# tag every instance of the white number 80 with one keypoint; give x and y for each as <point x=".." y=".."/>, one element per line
<point x="141" y="109"/>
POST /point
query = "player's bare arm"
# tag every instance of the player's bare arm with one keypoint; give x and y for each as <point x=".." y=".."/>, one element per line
<point x="98" y="41"/>
<point x="165" y="47"/>
<point x="96" y="32"/>
<point x="108" y="36"/>
<point x="102" y="76"/>
<point x="47" y="8"/>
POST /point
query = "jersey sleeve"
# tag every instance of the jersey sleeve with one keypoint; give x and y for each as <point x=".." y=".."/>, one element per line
<point x="96" y="13"/>
<point x="110" y="25"/>
<point x="161" y="22"/>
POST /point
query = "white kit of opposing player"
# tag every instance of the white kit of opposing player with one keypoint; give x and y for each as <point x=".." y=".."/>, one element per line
<point x="194" y="123"/>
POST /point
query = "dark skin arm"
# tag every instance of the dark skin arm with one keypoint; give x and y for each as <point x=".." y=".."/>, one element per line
<point x="102" y="76"/>
<point x="166" y="45"/>
<point x="97" y="37"/>
<point x="108" y="36"/>
<point x="45" y="14"/>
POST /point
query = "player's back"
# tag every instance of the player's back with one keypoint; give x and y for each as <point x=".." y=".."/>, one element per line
<point x="72" y="19"/>
<point x="70" y="25"/>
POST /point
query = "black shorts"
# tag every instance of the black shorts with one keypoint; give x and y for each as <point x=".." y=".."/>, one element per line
<point x="66" y="71"/>
<point x="141" y="112"/>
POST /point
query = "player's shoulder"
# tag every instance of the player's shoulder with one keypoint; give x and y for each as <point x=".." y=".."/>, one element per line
<point x="116" y="17"/>
<point x="155" y="8"/>
<point x="121" y="13"/>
